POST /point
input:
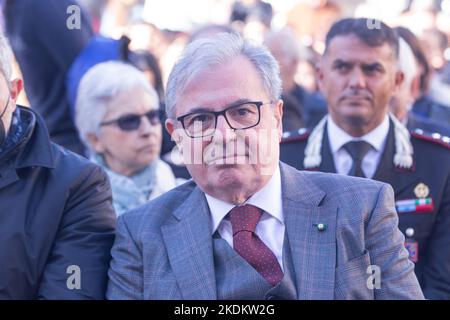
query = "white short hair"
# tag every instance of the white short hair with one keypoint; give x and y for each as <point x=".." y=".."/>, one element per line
<point x="209" y="52"/>
<point x="99" y="86"/>
<point x="5" y="58"/>
<point x="407" y="62"/>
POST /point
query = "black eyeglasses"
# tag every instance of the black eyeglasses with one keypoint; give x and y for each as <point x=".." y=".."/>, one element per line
<point x="241" y="116"/>
<point x="132" y="122"/>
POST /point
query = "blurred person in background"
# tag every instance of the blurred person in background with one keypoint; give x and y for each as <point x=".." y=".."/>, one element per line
<point x="306" y="75"/>
<point x="209" y="30"/>
<point x="148" y="64"/>
<point x="252" y="18"/>
<point x="312" y="19"/>
<point x="285" y="48"/>
<point x="95" y="10"/>
<point x="117" y="15"/>
<point x="118" y="116"/>
<point x="435" y="43"/>
<point x="425" y="105"/>
<point x="402" y="101"/>
<point x="45" y="48"/>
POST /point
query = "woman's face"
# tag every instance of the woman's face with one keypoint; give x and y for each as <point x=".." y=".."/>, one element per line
<point x="129" y="151"/>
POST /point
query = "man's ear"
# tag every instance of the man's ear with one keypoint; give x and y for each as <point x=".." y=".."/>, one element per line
<point x="16" y="88"/>
<point x="279" y="116"/>
<point x="320" y="74"/>
<point x="399" y="78"/>
<point x="174" y="132"/>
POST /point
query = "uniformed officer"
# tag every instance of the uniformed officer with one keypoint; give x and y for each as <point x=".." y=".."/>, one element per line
<point x="358" y="75"/>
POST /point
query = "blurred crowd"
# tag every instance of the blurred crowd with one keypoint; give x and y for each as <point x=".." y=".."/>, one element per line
<point x="151" y="35"/>
<point x="100" y="87"/>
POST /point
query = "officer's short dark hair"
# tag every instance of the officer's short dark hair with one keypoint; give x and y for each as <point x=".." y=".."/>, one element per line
<point x="374" y="33"/>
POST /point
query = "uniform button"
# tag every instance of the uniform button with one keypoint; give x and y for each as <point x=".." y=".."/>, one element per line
<point x="409" y="232"/>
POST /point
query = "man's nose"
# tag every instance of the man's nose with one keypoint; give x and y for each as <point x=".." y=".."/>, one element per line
<point x="357" y="79"/>
<point x="223" y="129"/>
<point x="222" y="124"/>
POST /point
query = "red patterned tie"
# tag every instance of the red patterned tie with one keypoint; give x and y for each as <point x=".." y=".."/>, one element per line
<point x="245" y="241"/>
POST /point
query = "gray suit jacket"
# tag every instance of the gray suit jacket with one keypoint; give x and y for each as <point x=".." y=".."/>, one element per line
<point x="163" y="250"/>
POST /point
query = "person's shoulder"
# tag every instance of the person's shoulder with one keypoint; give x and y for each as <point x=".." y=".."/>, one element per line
<point x="295" y="137"/>
<point x="332" y="181"/>
<point x="356" y="197"/>
<point x="432" y="140"/>
<point x="70" y="163"/>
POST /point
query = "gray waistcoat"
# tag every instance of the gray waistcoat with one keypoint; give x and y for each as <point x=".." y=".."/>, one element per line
<point x="237" y="280"/>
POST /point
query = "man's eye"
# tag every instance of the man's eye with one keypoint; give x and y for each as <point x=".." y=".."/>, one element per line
<point x="343" y="67"/>
<point x="242" y="111"/>
<point x="371" y="70"/>
<point x="200" y="118"/>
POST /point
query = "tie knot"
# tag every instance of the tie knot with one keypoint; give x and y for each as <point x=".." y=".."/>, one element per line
<point x="357" y="149"/>
<point x="244" y="218"/>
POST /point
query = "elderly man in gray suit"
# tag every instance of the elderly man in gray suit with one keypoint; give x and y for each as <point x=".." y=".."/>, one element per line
<point x="247" y="226"/>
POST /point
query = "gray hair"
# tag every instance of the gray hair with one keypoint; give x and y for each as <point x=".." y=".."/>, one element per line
<point x="207" y="53"/>
<point x="98" y="87"/>
<point x="5" y="58"/>
<point x="407" y="62"/>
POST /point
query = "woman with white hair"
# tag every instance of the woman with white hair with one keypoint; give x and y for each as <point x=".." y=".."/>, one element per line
<point x="117" y="115"/>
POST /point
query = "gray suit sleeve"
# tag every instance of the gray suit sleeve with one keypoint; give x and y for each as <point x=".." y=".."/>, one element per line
<point x="126" y="271"/>
<point x="385" y="243"/>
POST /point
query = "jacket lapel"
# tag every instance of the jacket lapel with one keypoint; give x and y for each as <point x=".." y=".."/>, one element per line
<point x="313" y="251"/>
<point x="387" y="172"/>
<point x="188" y="242"/>
<point x="8" y="176"/>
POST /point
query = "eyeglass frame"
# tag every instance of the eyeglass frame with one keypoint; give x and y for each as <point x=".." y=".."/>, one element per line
<point x="115" y="121"/>
<point x="258" y="104"/>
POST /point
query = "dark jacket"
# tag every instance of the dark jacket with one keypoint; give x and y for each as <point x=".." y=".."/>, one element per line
<point x="55" y="213"/>
<point x="426" y="107"/>
<point x="431" y="167"/>
<point x="45" y="48"/>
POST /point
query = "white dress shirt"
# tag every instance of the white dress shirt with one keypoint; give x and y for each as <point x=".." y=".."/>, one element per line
<point x="342" y="159"/>
<point x="270" y="228"/>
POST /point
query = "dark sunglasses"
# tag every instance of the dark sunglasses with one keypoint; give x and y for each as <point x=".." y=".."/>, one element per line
<point x="132" y="122"/>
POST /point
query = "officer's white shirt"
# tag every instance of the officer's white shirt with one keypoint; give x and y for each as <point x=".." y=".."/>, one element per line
<point x="343" y="161"/>
<point x="270" y="228"/>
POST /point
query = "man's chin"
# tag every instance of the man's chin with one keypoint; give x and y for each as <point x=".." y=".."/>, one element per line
<point x="356" y="114"/>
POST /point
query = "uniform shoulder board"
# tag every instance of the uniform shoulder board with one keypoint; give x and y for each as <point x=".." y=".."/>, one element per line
<point x="432" y="137"/>
<point x="301" y="134"/>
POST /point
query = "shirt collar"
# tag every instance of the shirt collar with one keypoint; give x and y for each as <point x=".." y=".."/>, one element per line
<point x="267" y="199"/>
<point x="376" y="138"/>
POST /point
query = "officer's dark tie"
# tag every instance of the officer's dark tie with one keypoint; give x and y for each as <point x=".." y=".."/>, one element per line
<point x="357" y="150"/>
<point x="249" y="246"/>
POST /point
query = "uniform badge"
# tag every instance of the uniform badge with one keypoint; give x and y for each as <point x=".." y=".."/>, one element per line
<point x="424" y="205"/>
<point x="421" y="191"/>
<point x="413" y="250"/>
